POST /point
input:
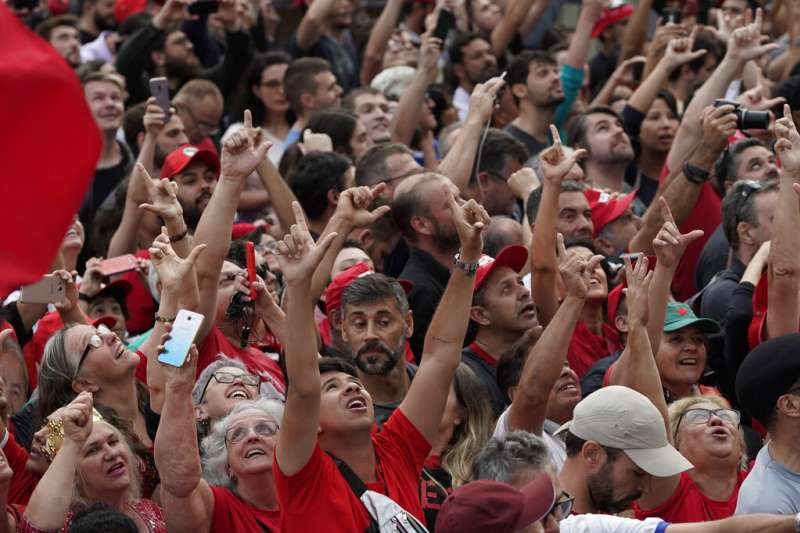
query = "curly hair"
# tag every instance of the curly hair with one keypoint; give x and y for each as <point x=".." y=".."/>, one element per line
<point x="214" y="451"/>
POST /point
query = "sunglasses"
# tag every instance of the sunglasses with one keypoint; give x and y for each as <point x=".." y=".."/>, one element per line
<point x="562" y="507"/>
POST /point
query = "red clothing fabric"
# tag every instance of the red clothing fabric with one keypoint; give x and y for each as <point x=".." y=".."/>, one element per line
<point x="141" y="305"/>
<point x="232" y="515"/>
<point x="317" y="498"/>
<point x="147" y="511"/>
<point x="44" y="182"/>
<point x="483" y="354"/>
<point x="586" y="348"/>
<point x="706" y="215"/>
<point x="22" y="481"/>
<point x="256" y="361"/>
<point x="688" y="504"/>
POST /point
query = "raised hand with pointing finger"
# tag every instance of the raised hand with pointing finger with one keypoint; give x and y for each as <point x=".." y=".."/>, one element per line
<point x="670" y="244"/>
<point x="298" y="255"/>
<point x="470" y="219"/>
<point x="556" y="163"/>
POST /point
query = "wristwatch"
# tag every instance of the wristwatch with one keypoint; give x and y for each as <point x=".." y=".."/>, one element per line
<point x="469" y="268"/>
<point x="696" y="175"/>
<point x="797" y="522"/>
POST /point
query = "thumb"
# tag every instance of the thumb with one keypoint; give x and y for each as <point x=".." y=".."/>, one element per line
<point x="694" y="55"/>
<point x="692" y="236"/>
<point x="149" y="207"/>
<point x="262" y="149"/>
<point x="195" y="253"/>
<point x="325" y="243"/>
<point x="380" y="211"/>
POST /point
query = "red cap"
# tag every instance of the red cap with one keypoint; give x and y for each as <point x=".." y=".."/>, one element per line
<point x="125" y="8"/>
<point x="611" y="16"/>
<point x="179" y="158"/>
<point x="606" y="207"/>
<point x="57" y="7"/>
<point x="108" y="321"/>
<point x="482" y="506"/>
<point x="335" y="289"/>
<point x="513" y="256"/>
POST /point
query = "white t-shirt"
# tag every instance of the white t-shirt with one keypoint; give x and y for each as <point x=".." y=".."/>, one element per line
<point x="600" y="523"/>
<point x="558" y="450"/>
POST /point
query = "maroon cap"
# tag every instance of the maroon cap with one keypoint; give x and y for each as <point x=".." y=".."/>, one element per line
<point x="180" y="158"/>
<point x="513" y="256"/>
<point x="606" y="207"/>
<point x="108" y="321"/>
<point x="492" y="506"/>
<point x="118" y="289"/>
<point x="611" y="16"/>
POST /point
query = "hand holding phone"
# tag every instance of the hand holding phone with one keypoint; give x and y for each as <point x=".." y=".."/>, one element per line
<point x="160" y="90"/>
<point x="184" y="331"/>
<point x="251" y="269"/>
<point x="51" y="289"/>
<point x="445" y="23"/>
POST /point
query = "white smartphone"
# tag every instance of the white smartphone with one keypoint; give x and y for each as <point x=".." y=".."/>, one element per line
<point x="184" y="330"/>
<point x="49" y="290"/>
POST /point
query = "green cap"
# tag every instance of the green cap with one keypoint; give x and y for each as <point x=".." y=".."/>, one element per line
<point x="680" y="315"/>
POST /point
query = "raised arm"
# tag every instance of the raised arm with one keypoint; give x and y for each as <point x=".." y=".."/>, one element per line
<point x="69" y="310"/>
<point x="591" y="11"/>
<point x="544" y="263"/>
<point x="546" y="359"/>
<point x="513" y="18"/>
<point x="669" y="246"/>
<point x="178" y="291"/>
<point x="457" y="164"/>
<point x="310" y="29"/>
<point x="680" y="193"/>
<point x="604" y="96"/>
<point x="49" y="502"/>
<point x="783" y="312"/>
<point x="636" y="31"/>
<point x="378" y="39"/>
<point x="186" y="498"/>
<point x="679" y="52"/>
<point x="424" y="404"/>
<point x="299" y="256"/>
<point x="406" y="117"/>
<point x="280" y="194"/>
<point x="744" y="44"/>
<point x="240" y="156"/>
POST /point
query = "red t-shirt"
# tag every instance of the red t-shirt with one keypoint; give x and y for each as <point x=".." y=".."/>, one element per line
<point x="256" y="361"/>
<point x="22" y="481"/>
<point x="688" y="504"/>
<point x="317" y="498"/>
<point x="586" y="348"/>
<point x="232" y="515"/>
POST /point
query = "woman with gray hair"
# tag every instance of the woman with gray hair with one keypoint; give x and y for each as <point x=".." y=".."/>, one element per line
<point x="236" y="491"/>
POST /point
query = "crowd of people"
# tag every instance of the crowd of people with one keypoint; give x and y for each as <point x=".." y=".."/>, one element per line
<point x="515" y="270"/>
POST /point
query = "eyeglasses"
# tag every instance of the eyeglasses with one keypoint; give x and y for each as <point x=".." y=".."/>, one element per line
<point x="263" y="428"/>
<point x="95" y="342"/>
<point x="562" y="507"/>
<point x="227" y="377"/>
<point x="209" y="128"/>
<point x="701" y="416"/>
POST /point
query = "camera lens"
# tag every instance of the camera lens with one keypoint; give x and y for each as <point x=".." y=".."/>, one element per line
<point x="753" y="120"/>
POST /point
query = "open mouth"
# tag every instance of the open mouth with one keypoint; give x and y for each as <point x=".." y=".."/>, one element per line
<point x="720" y="433"/>
<point x="528" y="309"/>
<point x="117" y="469"/>
<point x="688" y="361"/>
<point x="568" y="387"/>
<point x="255" y="452"/>
<point x="356" y="404"/>
<point x="238" y="394"/>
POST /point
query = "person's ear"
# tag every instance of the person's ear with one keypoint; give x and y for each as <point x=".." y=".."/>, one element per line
<point x="333" y="197"/>
<point x="421" y="225"/>
<point x="479" y="315"/>
<point x="308" y="101"/>
<point x="743" y="231"/>
<point x="520" y="90"/>
<point x="158" y="58"/>
<point x="365" y="237"/>
<point x="621" y="322"/>
<point x="483" y="179"/>
<point x="200" y="413"/>
<point x="408" y="326"/>
<point x="593" y="455"/>
<point x="789" y="405"/>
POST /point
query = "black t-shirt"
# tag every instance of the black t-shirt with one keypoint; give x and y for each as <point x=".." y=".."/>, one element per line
<point x="430" y="279"/>
<point x="488" y="376"/>
<point x="530" y="142"/>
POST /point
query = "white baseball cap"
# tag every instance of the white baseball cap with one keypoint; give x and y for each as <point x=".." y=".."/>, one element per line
<point x="619" y="417"/>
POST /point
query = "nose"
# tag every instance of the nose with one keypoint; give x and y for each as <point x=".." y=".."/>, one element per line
<point x="371" y="333"/>
<point x="352" y="387"/>
<point x="714" y="420"/>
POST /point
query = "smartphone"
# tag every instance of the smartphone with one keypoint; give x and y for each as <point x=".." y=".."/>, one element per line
<point x="671" y="17"/>
<point x="160" y="90"/>
<point x="118" y="265"/>
<point x="184" y="330"/>
<point x="637" y="71"/>
<point x="445" y="23"/>
<point x="251" y="268"/>
<point x="203" y="7"/>
<point x="49" y="290"/>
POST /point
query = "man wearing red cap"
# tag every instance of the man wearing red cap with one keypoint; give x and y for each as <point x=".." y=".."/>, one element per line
<point x="614" y="222"/>
<point x="502" y="311"/>
<point x="196" y="172"/>
<point x="610" y="31"/>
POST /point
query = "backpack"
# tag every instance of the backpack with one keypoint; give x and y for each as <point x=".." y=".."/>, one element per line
<point x="385" y="515"/>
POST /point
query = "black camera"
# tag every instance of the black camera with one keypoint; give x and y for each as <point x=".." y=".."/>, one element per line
<point x="746" y="119"/>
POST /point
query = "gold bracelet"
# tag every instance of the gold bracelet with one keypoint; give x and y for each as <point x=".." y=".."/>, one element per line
<point x="160" y="318"/>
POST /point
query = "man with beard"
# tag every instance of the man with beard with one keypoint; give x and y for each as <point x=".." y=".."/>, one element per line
<point x="171" y="137"/>
<point x="324" y="32"/>
<point x="62" y="33"/>
<point x="615" y="442"/>
<point x="96" y="16"/>
<point x="472" y="63"/>
<point x="196" y="172"/>
<point x="200" y="104"/>
<point x="376" y="323"/>
<point x="159" y="48"/>
<point x="372" y="108"/>
<point x="421" y="210"/>
<point x="502" y="311"/>
<point x="535" y="83"/>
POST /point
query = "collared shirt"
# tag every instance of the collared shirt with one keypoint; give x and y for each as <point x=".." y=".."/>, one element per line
<point x="430" y="279"/>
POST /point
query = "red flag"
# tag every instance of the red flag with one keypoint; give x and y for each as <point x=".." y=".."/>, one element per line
<point x="49" y="146"/>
